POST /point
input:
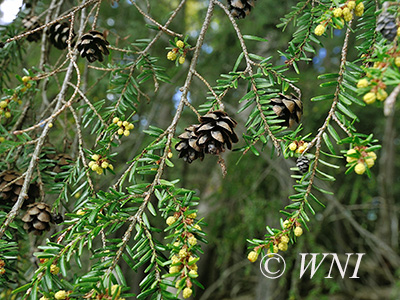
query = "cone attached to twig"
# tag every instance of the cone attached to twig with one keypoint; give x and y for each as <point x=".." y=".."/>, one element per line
<point x="37" y="218"/>
<point x="31" y="23"/>
<point x="216" y="131"/>
<point x="387" y="26"/>
<point x="240" y="8"/>
<point x="93" y="45"/>
<point x="303" y="163"/>
<point x="187" y="147"/>
<point x="10" y="188"/>
<point x="287" y="108"/>
<point x="59" y="34"/>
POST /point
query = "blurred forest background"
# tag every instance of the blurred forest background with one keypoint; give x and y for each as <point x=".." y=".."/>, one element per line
<point x="362" y="214"/>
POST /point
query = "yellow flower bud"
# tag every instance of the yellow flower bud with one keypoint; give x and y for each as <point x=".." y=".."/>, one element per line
<point x="60" y="295"/>
<point x="54" y="269"/>
<point x="110" y="166"/>
<point x="120" y="131"/>
<point x="351" y="159"/>
<point x="170" y="220"/>
<point x="115" y="120"/>
<point x="360" y="168"/>
<point x="397" y="60"/>
<point x="170" y="154"/>
<point x="131" y="126"/>
<point x="370" y="162"/>
<point x="94" y="166"/>
<point x="119" y="123"/>
<point x="286" y="224"/>
<point x="104" y="165"/>
<point x="369" y="98"/>
<point x="3" y="104"/>
<point x="115" y="289"/>
<point x="7" y="114"/>
<point x="193" y="272"/>
<point x="95" y="157"/>
<point x="298" y="231"/>
<point x="282" y="246"/>
<point x="362" y="83"/>
<point x="182" y="253"/>
<point x="126" y="132"/>
<point x="351" y="4"/>
<point x="285" y="239"/>
<point x="359" y="11"/>
<point x="181" y="60"/>
<point x="192" y="241"/>
<point x="174" y="269"/>
<point x="292" y="146"/>
<point x="192" y="215"/>
<point x="253" y="255"/>
<point x="319" y="30"/>
<point x="80" y="212"/>
<point x="180" y="44"/>
<point x="337" y="12"/>
<point x="197" y="227"/>
<point x="125" y="123"/>
<point x="381" y="95"/>
<point x="25" y="79"/>
<point x="175" y="259"/>
<point x="372" y="155"/>
<point x="50" y="125"/>
<point x="2" y="139"/>
<point x="171" y="55"/>
<point x="187" y="292"/>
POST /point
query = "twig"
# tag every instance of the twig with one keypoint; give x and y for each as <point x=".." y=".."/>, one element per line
<point x="390" y="101"/>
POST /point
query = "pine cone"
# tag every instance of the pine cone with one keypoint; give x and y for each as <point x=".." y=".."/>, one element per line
<point x="386" y="25"/>
<point x="93" y="46"/>
<point x="187" y="147"/>
<point x="287" y="109"/>
<point x="303" y="163"/>
<point x="37" y="218"/>
<point x="216" y="131"/>
<point x="240" y="8"/>
<point x="9" y="192"/>
<point x="31" y="23"/>
<point x="59" y="34"/>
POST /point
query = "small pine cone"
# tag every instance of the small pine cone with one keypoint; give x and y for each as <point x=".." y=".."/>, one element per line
<point x="386" y="25"/>
<point x="303" y="163"/>
<point x="31" y="23"/>
<point x="59" y="34"/>
<point x="93" y="46"/>
<point x="37" y="218"/>
<point x="288" y="109"/>
<point x="9" y="192"/>
<point x="240" y="8"/>
<point x="216" y="131"/>
<point x="187" y="147"/>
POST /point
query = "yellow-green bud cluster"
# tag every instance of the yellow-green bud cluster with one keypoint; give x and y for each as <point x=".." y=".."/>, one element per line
<point x="361" y="159"/>
<point x="298" y="146"/>
<point x="124" y="126"/>
<point x="377" y="90"/>
<point x="179" y="52"/>
<point x="54" y="269"/>
<point x="320" y="29"/>
<point x="98" y="164"/>
<point x="4" y="109"/>
<point x="61" y="295"/>
<point x="253" y="255"/>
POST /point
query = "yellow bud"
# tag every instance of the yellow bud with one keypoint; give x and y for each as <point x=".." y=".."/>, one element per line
<point x="362" y="83"/>
<point x="351" y="159"/>
<point x="370" y="162"/>
<point x="23" y="90"/>
<point x="177" y="244"/>
<point x="2" y="139"/>
<point x="372" y="155"/>
<point x="94" y="167"/>
<point x="191" y="259"/>
<point x="197" y="227"/>
<point x="192" y="241"/>
<point x="319" y="30"/>
<point x="170" y="220"/>
<point x="192" y="215"/>
<point x="300" y="149"/>
<point x="170" y="154"/>
<point x="182" y="253"/>
<point x="175" y="259"/>
<point x="253" y="255"/>
<point x="180" y="44"/>
<point x="115" y="289"/>
<point x="131" y="126"/>
<point x="7" y="114"/>
<point x="80" y="212"/>
<point x="381" y="95"/>
<point x="360" y="168"/>
<point x="398" y="31"/>
<point x="359" y="11"/>
<point x="187" y="292"/>
<point x="397" y="61"/>
<point x="120" y="131"/>
<point x="54" y="269"/>
<point x="298" y="231"/>
<point x="174" y="269"/>
<point x="337" y="12"/>
<point x="171" y="55"/>
<point x="292" y="146"/>
<point x="351" y="4"/>
<point x="91" y="163"/>
<point x="110" y="166"/>
<point x="115" y="120"/>
<point x="104" y="165"/>
<point x="285" y="239"/>
<point x="193" y="272"/>
<point x="126" y="132"/>
<point x="44" y="298"/>
<point x="3" y="104"/>
<point x="181" y="60"/>
<point x="286" y="224"/>
<point x="125" y="123"/>
<point x="282" y="246"/>
<point x="95" y="157"/>
<point x="60" y="295"/>
<point x="50" y="125"/>
<point x="25" y="79"/>
<point x="369" y="98"/>
<point x="119" y="123"/>
<point x="348" y="17"/>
